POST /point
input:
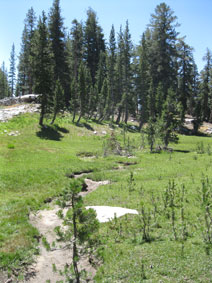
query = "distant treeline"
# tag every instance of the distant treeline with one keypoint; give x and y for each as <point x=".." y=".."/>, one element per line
<point x="77" y="70"/>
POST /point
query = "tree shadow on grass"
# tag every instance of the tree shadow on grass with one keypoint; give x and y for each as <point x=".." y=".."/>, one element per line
<point x="181" y="151"/>
<point x="62" y="130"/>
<point x="86" y="125"/>
<point x="49" y="133"/>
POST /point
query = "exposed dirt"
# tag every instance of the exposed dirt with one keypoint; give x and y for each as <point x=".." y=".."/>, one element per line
<point x="45" y="221"/>
<point x="127" y="163"/>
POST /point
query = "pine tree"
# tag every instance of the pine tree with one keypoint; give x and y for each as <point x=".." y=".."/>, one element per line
<point x="76" y="47"/>
<point x="83" y="73"/>
<point x="143" y="81"/>
<point x="103" y="100"/>
<point x="80" y="232"/>
<point x="25" y="69"/>
<point x="168" y="122"/>
<point x="94" y="43"/>
<point x="198" y="114"/>
<point x="58" y="100"/>
<point x="185" y="75"/>
<point x="4" y="84"/>
<point x="120" y="75"/>
<point x="74" y="103"/>
<point x="205" y="85"/>
<point x="57" y="38"/>
<point x="100" y="77"/>
<point x="127" y="83"/>
<point x="159" y="100"/>
<point x="12" y="72"/>
<point x="195" y="86"/>
<point x="151" y="133"/>
<point x="151" y="101"/>
<point x="163" y="53"/>
<point x="42" y="61"/>
<point x="111" y="63"/>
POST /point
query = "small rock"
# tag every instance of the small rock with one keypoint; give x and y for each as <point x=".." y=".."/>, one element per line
<point x="104" y="132"/>
<point x="95" y="132"/>
<point x="133" y="127"/>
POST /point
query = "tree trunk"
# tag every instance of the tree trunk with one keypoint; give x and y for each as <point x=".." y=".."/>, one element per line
<point x="80" y="116"/>
<point x="119" y="116"/>
<point x="74" y="115"/>
<point x="41" y="117"/>
<point x="53" y="119"/>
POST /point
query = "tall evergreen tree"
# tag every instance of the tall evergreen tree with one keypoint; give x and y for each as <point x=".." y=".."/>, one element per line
<point x="74" y="103"/>
<point x="111" y="63"/>
<point x="205" y="85"/>
<point x="42" y="61"/>
<point x="4" y="84"/>
<point x="76" y="47"/>
<point x="120" y="75"/>
<point x="163" y="52"/>
<point x="195" y="90"/>
<point x="185" y="75"/>
<point x="151" y="102"/>
<point x="25" y="69"/>
<point x="94" y="43"/>
<point x="57" y="38"/>
<point x="143" y="81"/>
<point x="58" y="100"/>
<point x="103" y="100"/>
<point x="168" y="122"/>
<point x="100" y="77"/>
<point x="127" y="97"/>
<point x="12" y="72"/>
<point x="83" y="90"/>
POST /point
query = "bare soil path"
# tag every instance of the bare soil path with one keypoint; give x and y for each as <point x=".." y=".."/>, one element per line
<point x="46" y="221"/>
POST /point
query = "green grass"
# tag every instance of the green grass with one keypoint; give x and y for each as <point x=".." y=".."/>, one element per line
<point x="33" y="168"/>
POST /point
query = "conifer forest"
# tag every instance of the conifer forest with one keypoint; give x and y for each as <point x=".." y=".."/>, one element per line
<point x="105" y="153"/>
<point x="78" y="69"/>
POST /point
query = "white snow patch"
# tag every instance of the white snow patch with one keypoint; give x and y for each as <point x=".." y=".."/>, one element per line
<point x="107" y="213"/>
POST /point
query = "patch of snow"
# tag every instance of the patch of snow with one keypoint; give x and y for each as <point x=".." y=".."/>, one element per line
<point x="107" y="213"/>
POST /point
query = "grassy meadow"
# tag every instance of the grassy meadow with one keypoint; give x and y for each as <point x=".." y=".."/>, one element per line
<point x="169" y="241"/>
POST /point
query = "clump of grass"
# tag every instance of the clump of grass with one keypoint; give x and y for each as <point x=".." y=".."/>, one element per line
<point x="11" y="146"/>
<point x="200" y="149"/>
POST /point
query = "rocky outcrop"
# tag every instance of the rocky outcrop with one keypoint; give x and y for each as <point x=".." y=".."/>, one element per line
<point x="29" y="98"/>
<point x="8" y="113"/>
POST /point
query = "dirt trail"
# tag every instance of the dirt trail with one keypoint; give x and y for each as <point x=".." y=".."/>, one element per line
<point x="45" y="221"/>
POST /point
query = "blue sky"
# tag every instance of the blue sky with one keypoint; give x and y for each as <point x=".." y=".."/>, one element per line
<point x="193" y="15"/>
